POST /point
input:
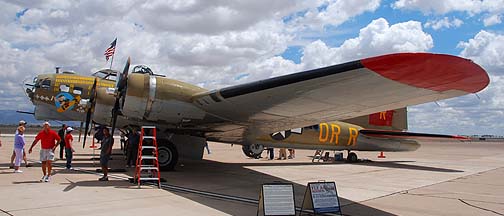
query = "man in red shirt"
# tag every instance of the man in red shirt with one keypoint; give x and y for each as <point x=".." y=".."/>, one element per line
<point x="49" y="140"/>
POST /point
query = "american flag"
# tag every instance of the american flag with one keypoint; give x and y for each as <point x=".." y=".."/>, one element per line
<point x="109" y="52"/>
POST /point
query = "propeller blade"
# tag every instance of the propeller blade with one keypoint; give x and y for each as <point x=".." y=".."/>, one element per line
<point x="121" y="90"/>
<point x="115" y="112"/>
<point x="80" y="130"/>
<point x="90" y="111"/>
<point x="124" y="76"/>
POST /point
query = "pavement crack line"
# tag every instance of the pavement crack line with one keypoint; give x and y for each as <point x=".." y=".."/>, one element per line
<point x="424" y="186"/>
<point x="485" y="209"/>
<point x="6" y="212"/>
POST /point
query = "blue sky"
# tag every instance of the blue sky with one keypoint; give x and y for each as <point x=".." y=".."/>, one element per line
<point x="218" y="44"/>
<point x="446" y="40"/>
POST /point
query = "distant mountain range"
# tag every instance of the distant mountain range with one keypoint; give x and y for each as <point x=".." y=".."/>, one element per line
<point x="11" y="117"/>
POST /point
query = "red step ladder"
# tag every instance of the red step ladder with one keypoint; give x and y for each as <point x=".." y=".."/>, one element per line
<point x="148" y="171"/>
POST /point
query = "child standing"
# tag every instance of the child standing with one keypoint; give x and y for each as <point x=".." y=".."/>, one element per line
<point x="19" y="143"/>
<point x="69" y="150"/>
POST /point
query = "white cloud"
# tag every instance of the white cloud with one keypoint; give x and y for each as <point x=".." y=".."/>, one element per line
<point x="444" y="23"/>
<point x="465" y="114"/>
<point x="376" y="38"/>
<point x="203" y="42"/>
<point x="215" y="43"/>
<point x="492" y="20"/>
<point x="333" y="12"/>
<point x="446" y="6"/>
<point x="485" y="48"/>
<point x="491" y="9"/>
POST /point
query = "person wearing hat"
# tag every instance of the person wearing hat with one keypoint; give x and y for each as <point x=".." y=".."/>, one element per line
<point x="49" y="140"/>
<point x="69" y="150"/>
<point x="22" y="123"/>
<point x="19" y="143"/>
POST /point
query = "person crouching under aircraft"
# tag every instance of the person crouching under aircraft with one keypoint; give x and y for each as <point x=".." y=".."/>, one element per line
<point x="49" y="140"/>
<point x="105" y="153"/>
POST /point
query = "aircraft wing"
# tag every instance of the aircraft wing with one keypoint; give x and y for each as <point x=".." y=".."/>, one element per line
<point x="342" y="91"/>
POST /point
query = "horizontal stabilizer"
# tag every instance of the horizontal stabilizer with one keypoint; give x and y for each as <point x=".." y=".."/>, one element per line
<point x="409" y="135"/>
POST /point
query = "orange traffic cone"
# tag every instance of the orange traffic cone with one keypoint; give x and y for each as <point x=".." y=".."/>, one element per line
<point x="381" y="155"/>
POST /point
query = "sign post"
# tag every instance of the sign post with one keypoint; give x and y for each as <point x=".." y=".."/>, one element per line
<point x="321" y="198"/>
<point x="276" y="199"/>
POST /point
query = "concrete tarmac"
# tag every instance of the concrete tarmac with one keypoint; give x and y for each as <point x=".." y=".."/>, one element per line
<point x="441" y="178"/>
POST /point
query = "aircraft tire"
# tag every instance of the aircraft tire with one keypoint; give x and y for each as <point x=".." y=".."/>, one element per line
<point x="168" y="155"/>
<point x="352" y="157"/>
<point x="253" y="151"/>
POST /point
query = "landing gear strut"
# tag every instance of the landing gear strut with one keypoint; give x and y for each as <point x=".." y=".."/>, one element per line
<point x="352" y="157"/>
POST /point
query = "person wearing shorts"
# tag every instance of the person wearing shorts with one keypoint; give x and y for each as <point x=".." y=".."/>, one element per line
<point x="49" y="140"/>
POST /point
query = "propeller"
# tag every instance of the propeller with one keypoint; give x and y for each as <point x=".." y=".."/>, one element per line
<point x="80" y="130"/>
<point x="121" y="86"/>
<point x="90" y="111"/>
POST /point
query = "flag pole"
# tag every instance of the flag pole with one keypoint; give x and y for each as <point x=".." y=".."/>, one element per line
<point x="111" y="61"/>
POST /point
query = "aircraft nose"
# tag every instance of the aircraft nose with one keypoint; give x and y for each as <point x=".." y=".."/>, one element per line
<point x="30" y="87"/>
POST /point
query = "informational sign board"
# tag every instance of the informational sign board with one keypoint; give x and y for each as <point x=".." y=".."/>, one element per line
<point x="322" y="197"/>
<point x="276" y="199"/>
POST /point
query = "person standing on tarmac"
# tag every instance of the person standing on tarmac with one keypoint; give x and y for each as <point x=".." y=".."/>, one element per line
<point x="49" y="140"/>
<point x="19" y="144"/>
<point x="22" y="123"/>
<point x="69" y="150"/>
<point x="282" y="154"/>
<point x="292" y="154"/>
<point x="61" y="134"/>
<point x="105" y="153"/>
<point x="132" y="149"/>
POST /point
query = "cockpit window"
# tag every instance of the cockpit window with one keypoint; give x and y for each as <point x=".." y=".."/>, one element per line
<point x="45" y="84"/>
<point x="106" y="74"/>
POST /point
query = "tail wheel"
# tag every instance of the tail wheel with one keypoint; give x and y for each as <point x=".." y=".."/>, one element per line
<point x="352" y="157"/>
<point x="168" y="156"/>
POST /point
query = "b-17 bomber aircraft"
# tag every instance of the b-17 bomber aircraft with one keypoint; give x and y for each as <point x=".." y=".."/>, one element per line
<point x="355" y="106"/>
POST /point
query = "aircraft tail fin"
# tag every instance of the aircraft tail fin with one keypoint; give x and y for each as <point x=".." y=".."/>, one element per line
<point x="387" y="120"/>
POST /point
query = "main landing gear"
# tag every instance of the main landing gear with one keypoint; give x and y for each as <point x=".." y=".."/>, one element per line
<point x="253" y="151"/>
<point x="352" y="157"/>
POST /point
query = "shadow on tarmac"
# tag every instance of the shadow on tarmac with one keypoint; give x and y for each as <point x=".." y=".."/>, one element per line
<point x="95" y="183"/>
<point x="386" y="164"/>
<point x="237" y="180"/>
